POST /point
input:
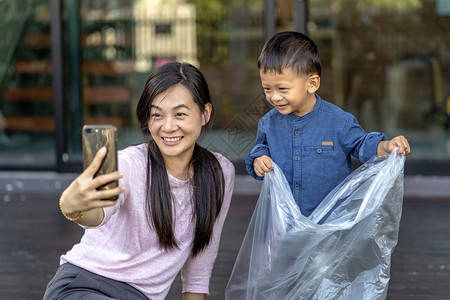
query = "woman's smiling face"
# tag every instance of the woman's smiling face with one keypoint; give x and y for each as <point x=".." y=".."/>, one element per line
<point x="176" y="122"/>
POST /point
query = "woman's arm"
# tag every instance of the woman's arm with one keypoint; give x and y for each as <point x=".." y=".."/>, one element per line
<point x="192" y="296"/>
<point x="196" y="272"/>
<point x="82" y="198"/>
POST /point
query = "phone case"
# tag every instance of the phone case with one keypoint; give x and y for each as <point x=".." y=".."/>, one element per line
<point x="95" y="137"/>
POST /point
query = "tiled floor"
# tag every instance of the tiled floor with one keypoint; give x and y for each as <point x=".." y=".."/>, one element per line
<point x="33" y="234"/>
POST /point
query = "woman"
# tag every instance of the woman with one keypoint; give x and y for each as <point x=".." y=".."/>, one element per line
<point x="173" y="199"/>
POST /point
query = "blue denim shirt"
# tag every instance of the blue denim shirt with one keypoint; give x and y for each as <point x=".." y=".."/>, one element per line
<point x="314" y="151"/>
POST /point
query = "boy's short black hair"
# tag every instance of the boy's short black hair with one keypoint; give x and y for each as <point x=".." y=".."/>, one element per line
<point x="290" y="49"/>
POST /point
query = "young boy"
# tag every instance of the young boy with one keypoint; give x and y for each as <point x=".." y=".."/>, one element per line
<point x="310" y="139"/>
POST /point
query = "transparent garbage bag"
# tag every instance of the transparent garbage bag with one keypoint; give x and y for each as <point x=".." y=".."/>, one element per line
<point x="341" y="251"/>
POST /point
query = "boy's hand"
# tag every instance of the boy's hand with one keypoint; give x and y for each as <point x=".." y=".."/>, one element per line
<point x="262" y="165"/>
<point x="386" y="147"/>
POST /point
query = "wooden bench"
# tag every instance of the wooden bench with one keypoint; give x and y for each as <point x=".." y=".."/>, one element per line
<point x="36" y="67"/>
<point x="47" y="124"/>
<point x="42" y="40"/>
<point x="102" y="94"/>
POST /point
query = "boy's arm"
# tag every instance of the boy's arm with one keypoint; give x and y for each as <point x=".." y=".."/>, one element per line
<point x="386" y="147"/>
<point x="364" y="145"/>
<point x="261" y="148"/>
<point x="258" y="151"/>
<point x="357" y="142"/>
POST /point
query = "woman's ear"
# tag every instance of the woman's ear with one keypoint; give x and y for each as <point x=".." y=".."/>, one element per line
<point x="206" y="113"/>
<point x="313" y="83"/>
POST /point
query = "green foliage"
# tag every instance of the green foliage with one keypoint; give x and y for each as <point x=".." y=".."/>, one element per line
<point x="215" y="26"/>
<point x="399" y="6"/>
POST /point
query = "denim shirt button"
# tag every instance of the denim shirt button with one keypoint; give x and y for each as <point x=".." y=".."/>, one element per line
<point x="297" y="132"/>
<point x="297" y="157"/>
<point x="319" y="150"/>
<point x="297" y="186"/>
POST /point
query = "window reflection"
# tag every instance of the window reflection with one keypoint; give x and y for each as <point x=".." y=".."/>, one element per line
<point x="387" y="62"/>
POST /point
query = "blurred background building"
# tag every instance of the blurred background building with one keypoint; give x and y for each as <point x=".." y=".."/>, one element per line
<point x="66" y="63"/>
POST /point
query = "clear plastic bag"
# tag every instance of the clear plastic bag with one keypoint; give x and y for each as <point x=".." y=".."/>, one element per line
<point x="341" y="251"/>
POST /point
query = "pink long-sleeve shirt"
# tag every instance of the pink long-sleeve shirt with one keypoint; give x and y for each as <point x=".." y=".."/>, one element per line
<point x="125" y="248"/>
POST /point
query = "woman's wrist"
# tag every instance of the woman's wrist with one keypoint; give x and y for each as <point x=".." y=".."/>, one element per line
<point x="71" y="216"/>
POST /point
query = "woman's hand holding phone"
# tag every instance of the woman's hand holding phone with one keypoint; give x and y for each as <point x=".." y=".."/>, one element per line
<point x="83" y="194"/>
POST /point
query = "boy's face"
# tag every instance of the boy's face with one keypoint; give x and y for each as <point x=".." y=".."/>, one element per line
<point x="290" y="92"/>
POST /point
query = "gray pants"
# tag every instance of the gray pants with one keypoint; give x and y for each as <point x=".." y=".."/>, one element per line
<point x="71" y="282"/>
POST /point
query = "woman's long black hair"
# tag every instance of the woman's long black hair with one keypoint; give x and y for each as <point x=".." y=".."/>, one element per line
<point x="208" y="181"/>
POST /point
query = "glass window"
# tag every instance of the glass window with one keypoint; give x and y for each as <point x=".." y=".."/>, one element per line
<point x="229" y="39"/>
<point x="387" y="62"/>
<point x="110" y="48"/>
<point x="108" y="75"/>
<point x="26" y="107"/>
<point x="122" y="44"/>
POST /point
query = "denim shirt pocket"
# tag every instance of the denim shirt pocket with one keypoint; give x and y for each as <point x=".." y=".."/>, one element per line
<point x="319" y="150"/>
<point x="318" y="173"/>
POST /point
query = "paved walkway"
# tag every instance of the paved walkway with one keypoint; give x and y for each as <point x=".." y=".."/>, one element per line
<point x="33" y="234"/>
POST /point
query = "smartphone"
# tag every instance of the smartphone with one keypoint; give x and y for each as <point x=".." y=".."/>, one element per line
<point x="95" y="137"/>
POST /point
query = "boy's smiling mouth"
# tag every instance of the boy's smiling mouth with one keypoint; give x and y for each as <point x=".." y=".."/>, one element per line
<point x="281" y="106"/>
